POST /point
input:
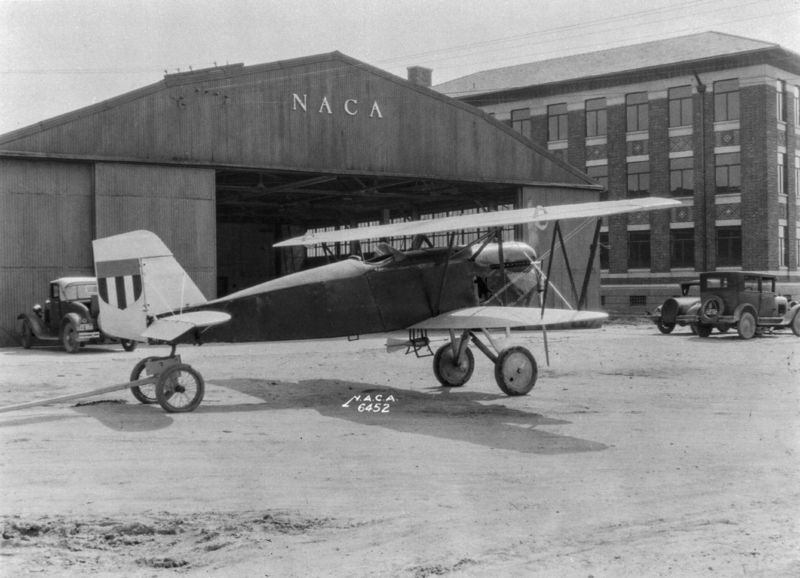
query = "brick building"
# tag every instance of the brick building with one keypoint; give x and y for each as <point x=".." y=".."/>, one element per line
<point x="711" y="119"/>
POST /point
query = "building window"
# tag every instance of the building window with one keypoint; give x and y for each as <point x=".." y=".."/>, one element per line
<point x="637" y="300"/>
<point x="729" y="246"/>
<point x="681" y="248"/>
<point x="600" y="174"/>
<point x="783" y="246"/>
<point x="728" y="173"/>
<point x="557" y="122"/>
<point x="639" y="179"/>
<point x="602" y="242"/>
<point x="797" y="177"/>
<point x="680" y="106"/>
<point x="783" y="184"/>
<point x="796" y="106"/>
<point x="596" y="119"/>
<point x="637" y="111"/>
<point x="726" y="100"/>
<point x="681" y="176"/>
<point x="780" y="100"/>
<point x="638" y="249"/>
<point x="521" y="121"/>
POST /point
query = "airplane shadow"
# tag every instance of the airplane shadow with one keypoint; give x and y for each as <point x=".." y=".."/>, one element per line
<point x="443" y="413"/>
<point x="438" y="412"/>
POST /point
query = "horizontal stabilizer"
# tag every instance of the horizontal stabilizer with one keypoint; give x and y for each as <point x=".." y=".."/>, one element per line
<point x="175" y="326"/>
<point x="485" y="220"/>
<point x="497" y="317"/>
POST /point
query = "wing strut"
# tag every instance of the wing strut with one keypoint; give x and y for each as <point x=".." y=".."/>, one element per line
<point x="589" y="265"/>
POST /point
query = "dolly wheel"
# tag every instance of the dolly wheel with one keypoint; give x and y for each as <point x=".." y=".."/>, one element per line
<point x="447" y="371"/>
<point x="180" y="389"/>
<point x="144" y="393"/>
<point x="515" y="370"/>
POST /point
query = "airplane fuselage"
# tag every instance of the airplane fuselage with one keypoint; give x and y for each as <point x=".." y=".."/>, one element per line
<point x="348" y="298"/>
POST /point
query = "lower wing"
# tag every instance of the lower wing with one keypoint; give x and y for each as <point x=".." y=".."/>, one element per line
<point x="497" y="317"/>
<point x="172" y="327"/>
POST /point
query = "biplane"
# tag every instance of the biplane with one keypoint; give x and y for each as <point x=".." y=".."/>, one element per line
<point x="463" y="291"/>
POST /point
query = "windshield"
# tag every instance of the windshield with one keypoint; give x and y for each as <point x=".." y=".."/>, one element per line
<point x="80" y="291"/>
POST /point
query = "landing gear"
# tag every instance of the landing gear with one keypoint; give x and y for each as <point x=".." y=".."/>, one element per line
<point x="515" y="368"/>
<point x="175" y="386"/>
<point x="451" y="369"/>
<point x="180" y="389"/>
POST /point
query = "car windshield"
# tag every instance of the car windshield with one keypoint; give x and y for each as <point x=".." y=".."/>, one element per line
<point x="716" y="282"/>
<point x="80" y="291"/>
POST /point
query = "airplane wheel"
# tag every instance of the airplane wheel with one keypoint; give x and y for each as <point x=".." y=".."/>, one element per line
<point x="447" y="371"/>
<point x="180" y="389"/>
<point x="144" y="393"/>
<point x="515" y="370"/>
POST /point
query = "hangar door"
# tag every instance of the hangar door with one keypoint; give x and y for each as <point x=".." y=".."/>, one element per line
<point x="176" y="203"/>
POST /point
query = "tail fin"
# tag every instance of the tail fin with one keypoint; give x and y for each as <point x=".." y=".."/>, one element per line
<point x="138" y="277"/>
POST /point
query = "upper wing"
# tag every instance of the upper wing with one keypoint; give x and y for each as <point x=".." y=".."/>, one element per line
<point x="496" y="317"/>
<point x="485" y="220"/>
<point x="172" y="327"/>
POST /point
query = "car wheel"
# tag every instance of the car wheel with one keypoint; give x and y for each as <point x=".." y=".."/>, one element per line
<point x="27" y="334"/>
<point x="747" y="325"/>
<point x="69" y="338"/>
<point x="704" y="330"/>
<point x="447" y="371"/>
<point x="796" y="323"/>
<point x="665" y="328"/>
<point x="128" y="344"/>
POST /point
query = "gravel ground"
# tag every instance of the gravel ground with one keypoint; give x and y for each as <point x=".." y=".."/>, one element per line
<point x="635" y="454"/>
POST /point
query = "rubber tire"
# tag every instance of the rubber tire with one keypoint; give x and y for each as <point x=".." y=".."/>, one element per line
<point x="128" y="344"/>
<point x="146" y="394"/>
<point x="69" y="338"/>
<point x="796" y="323"/>
<point x="27" y="334"/>
<point x="720" y="306"/>
<point x="515" y="370"/>
<point x="447" y="372"/>
<point x="665" y="328"/>
<point x="747" y="325"/>
<point x="704" y="330"/>
<point x="168" y="392"/>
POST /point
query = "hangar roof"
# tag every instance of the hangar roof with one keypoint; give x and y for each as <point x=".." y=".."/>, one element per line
<point x="306" y="133"/>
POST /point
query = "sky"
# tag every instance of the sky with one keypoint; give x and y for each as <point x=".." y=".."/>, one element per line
<point x="60" y="55"/>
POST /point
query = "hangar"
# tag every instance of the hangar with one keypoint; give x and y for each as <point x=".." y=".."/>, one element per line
<point x="223" y="162"/>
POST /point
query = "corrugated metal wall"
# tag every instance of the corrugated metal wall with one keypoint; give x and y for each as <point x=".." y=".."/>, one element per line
<point x="48" y="218"/>
<point x="45" y="232"/>
<point x="177" y="204"/>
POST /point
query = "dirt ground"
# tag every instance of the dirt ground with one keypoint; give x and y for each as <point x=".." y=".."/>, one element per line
<point x="635" y="454"/>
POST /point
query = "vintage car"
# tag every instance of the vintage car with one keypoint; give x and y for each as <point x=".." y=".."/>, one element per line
<point x="69" y="316"/>
<point x="744" y="300"/>
<point x="676" y="310"/>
